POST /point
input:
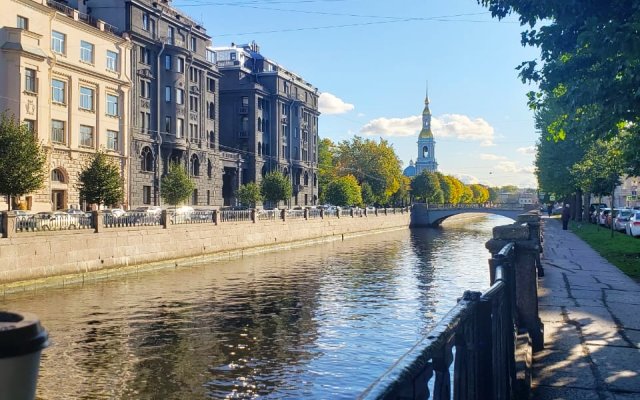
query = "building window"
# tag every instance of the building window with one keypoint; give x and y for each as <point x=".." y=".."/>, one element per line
<point x="22" y="23"/>
<point x="58" y="91"/>
<point x="211" y="84"/>
<point x="30" y="125"/>
<point x="146" y="195"/>
<point x="145" y="121"/>
<point x="167" y="62"/>
<point x="192" y="44"/>
<point x="179" y="96"/>
<point x="194" y="74"/>
<point x="147" y="159"/>
<point x="208" y="197"/>
<point x="194" y="197"/>
<point x="193" y="103"/>
<point x="112" y="105"/>
<point x="211" y="112"/>
<point x="86" y="136"/>
<point x="145" y="56"/>
<point x="30" y="80"/>
<point x="211" y="56"/>
<point x="58" y="42"/>
<point x="209" y="169"/>
<point x="86" y="98"/>
<point x="112" y="61"/>
<point x="112" y="140"/>
<point x="57" y="131"/>
<point x="167" y="94"/>
<point x="245" y="101"/>
<point x="145" y="22"/>
<point x="167" y="124"/>
<point x="212" y="140"/>
<point x="57" y="176"/>
<point x="193" y="132"/>
<point x="259" y="124"/>
<point x="86" y="52"/>
<point x="170" y="35"/>
<point x="145" y="89"/>
<point x="180" y="65"/>
<point x="179" y="128"/>
<point x="195" y="165"/>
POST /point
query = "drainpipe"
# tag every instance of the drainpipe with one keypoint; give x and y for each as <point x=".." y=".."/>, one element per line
<point x="125" y="126"/>
<point x="158" y="119"/>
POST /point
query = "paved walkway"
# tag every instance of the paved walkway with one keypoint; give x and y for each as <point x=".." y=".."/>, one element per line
<point x="591" y="316"/>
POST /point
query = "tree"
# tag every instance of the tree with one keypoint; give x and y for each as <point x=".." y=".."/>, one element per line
<point x="480" y="193"/>
<point x="100" y="182"/>
<point x="426" y="186"/>
<point x="367" y="194"/>
<point x="344" y="191"/>
<point x="249" y="194"/>
<point x="326" y="166"/>
<point x="467" y="195"/>
<point x="22" y="159"/>
<point x="276" y="187"/>
<point x="176" y="185"/>
<point x="402" y="196"/>
<point x="448" y="188"/>
<point x="456" y="195"/>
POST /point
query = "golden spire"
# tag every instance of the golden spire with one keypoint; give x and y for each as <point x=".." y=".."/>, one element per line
<point x="426" y="133"/>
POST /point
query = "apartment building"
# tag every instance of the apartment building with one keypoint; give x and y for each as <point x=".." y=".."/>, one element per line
<point x="67" y="76"/>
<point x="174" y="98"/>
<point x="270" y="116"/>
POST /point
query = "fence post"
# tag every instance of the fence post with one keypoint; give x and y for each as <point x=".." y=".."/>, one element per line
<point x="97" y="220"/>
<point x="338" y="212"/>
<point x="322" y="213"/>
<point x="351" y="212"/>
<point x="365" y="212"/>
<point x="8" y="224"/>
<point x="216" y="217"/>
<point x="533" y="222"/>
<point x="283" y="214"/>
<point x="164" y="220"/>
<point x="306" y="213"/>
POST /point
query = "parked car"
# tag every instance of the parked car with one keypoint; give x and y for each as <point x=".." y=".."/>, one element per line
<point x="633" y="224"/>
<point x="603" y="216"/>
<point x="145" y="215"/>
<point x="55" y="220"/>
<point x="181" y="214"/>
<point x="594" y="210"/>
<point x="153" y="210"/>
<point x="621" y="219"/>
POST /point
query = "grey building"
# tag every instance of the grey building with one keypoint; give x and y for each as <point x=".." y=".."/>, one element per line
<point x="270" y="116"/>
<point x="174" y="98"/>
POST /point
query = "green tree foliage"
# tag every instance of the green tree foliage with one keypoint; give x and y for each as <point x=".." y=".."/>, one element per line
<point x="100" y="182"/>
<point x="344" y="191"/>
<point x="249" y="194"/>
<point x="600" y="170"/>
<point x="402" y="196"/>
<point x="480" y="193"/>
<point x="22" y="159"/>
<point x="176" y="185"/>
<point x="493" y="194"/>
<point x="457" y="189"/>
<point x="276" y="187"/>
<point x="375" y="163"/>
<point x="326" y="166"/>
<point x="367" y="194"/>
<point x="447" y="188"/>
<point x="467" y="195"/>
<point x="426" y="187"/>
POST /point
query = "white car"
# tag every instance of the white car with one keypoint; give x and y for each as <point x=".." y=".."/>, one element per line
<point x="621" y="219"/>
<point x="633" y="224"/>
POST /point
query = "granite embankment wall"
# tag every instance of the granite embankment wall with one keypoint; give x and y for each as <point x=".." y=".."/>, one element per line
<point x="60" y="257"/>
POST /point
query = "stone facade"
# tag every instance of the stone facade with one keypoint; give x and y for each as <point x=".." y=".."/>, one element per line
<point x="65" y="76"/>
<point x="270" y="115"/>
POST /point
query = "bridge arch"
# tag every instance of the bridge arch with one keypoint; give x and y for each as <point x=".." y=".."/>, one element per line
<point x="425" y="215"/>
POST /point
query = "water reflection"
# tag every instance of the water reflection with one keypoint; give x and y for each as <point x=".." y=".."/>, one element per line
<point x="315" y="322"/>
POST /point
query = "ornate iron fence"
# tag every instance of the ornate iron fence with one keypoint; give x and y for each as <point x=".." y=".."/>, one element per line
<point x="268" y="215"/>
<point x="314" y="213"/>
<point x="295" y="214"/>
<point x="53" y="221"/>
<point x="480" y="330"/>
<point x="235" y="215"/>
<point x="130" y="219"/>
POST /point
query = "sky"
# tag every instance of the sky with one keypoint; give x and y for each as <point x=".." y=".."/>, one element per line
<point x="371" y="61"/>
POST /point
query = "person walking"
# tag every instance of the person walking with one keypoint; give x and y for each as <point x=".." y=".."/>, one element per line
<point x="566" y="214"/>
<point x="550" y="209"/>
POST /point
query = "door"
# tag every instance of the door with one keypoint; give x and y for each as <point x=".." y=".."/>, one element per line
<point x="57" y="199"/>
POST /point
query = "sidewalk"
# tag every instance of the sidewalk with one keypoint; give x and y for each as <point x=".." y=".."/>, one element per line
<point x="591" y="316"/>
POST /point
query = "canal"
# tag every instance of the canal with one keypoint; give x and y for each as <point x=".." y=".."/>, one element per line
<point x="321" y="321"/>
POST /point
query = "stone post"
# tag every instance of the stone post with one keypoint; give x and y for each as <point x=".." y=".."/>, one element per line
<point x="365" y="212"/>
<point x="8" y="224"/>
<point x="216" y="217"/>
<point x="97" y="219"/>
<point x="164" y="219"/>
<point x="306" y="213"/>
<point x="253" y="215"/>
<point x="322" y="213"/>
<point x="533" y="222"/>
<point x="351" y="212"/>
<point x="385" y="211"/>
<point x="526" y="278"/>
<point x="338" y="212"/>
<point x="376" y="211"/>
<point x="283" y="214"/>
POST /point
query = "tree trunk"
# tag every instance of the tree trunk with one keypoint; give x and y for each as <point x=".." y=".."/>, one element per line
<point x="585" y="200"/>
<point x="613" y="189"/>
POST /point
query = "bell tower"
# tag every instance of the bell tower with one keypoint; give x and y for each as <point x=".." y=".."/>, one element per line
<point x="426" y="144"/>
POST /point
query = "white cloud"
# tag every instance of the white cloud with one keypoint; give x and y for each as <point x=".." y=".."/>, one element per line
<point x="492" y="157"/>
<point x="329" y="104"/>
<point x="409" y="126"/>
<point x="526" y="150"/>
<point x="466" y="178"/>
<point x="463" y="128"/>
<point x="513" y="167"/>
<point x="455" y="126"/>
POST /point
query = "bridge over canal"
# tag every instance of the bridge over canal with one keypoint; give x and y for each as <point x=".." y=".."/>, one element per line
<point x="433" y="214"/>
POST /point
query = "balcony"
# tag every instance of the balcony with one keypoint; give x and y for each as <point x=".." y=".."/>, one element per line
<point x="284" y="119"/>
<point x="78" y="16"/>
<point x="243" y="134"/>
<point x="244" y="110"/>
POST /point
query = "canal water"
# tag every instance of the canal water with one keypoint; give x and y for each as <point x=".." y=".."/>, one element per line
<point x="322" y="321"/>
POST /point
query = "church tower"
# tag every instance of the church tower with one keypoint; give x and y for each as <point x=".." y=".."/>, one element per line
<point x="426" y="143"/>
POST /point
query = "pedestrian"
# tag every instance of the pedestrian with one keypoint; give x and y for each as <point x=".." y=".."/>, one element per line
<point x="566" y="214"/>
<point x="550" y="209"/>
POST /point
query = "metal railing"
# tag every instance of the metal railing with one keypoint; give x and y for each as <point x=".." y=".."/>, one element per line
<point x="500" y="206"/>
<point x="314" y="213"/>
<point x="479" y="330"/>
<point x="268" y="215"/>
<point x="295" y="214"/>
<point x="52" y="222"/>
<point x="344" y="212"/>
<point x="235" y="215"/>
<point x="130" y="219"/>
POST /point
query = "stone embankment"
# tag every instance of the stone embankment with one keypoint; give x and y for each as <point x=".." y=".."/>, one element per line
<point x="54" y="258"/>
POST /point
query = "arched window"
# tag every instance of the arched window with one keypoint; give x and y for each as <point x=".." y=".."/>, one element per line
<point x="306" y="179"/>
<point x="264" y="171"/>
<point x="147" y="159"/>
<point x="298" y="177"/>
<point x="195" y="165"/>
<point x="244" y="124"/>
<point x="315" y="180"/>
<point x="259" y="124"/>
<point x="425" y="152"/>
<point x="209" y="168"/>
<point x="212" y="140"/>
<point x="57" y="176"/>
<point x="212" y="111"/>
<point x="259" y="148"/>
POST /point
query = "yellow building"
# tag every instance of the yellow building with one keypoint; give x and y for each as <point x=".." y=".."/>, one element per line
<point x="65" y="75"/>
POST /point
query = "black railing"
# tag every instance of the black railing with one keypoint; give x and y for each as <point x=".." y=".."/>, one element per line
<point x="479" y="330"/>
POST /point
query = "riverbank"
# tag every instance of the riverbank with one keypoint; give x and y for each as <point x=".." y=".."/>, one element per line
<point x="30" y="261"/>
<point x="591" y="326"/>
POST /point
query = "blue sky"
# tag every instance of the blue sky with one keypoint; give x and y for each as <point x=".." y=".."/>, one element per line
<point x="371" y="60"/>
